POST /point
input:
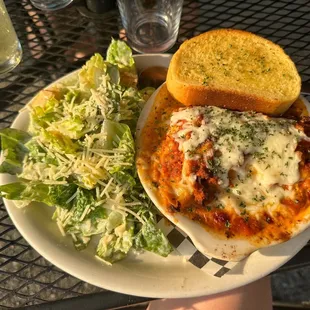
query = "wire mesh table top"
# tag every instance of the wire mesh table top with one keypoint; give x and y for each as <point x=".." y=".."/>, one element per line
<point x="59" y="42"/>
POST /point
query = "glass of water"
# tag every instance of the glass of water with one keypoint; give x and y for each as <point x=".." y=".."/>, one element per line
<point x="151" y="25"/>
<point x="50" y="5"/>
<point x="10" y="49"/>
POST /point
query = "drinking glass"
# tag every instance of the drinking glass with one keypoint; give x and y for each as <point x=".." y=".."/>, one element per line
<point x="151" y="25"/>
<point x="50" y="5"/>
<point x="10" y="48"/>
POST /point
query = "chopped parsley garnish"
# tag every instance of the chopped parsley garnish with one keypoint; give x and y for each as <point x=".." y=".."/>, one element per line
<point x="259" y="198"/>
<point x="243" y="212"/>
<point x="242" y="204"/>
<point x="220" y="206"/>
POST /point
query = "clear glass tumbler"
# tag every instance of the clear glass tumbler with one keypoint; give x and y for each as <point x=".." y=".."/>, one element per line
<point x="151" y="25"/>
<point x="50" y="5"/>
<point x="10" y="48"/>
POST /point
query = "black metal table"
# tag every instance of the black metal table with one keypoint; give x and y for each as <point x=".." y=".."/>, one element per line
<point x="57" y="43"/>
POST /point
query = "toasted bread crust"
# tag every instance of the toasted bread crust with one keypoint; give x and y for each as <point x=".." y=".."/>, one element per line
<point x="191" y="95"/>
<point x="217" y="94"/>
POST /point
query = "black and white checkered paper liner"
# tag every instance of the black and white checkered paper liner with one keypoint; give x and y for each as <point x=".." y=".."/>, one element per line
<point x="185" y="247"/>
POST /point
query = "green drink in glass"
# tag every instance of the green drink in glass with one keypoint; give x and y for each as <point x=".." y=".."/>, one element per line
<point x="10" y="48"/>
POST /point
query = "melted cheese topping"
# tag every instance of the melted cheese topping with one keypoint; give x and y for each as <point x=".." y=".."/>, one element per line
<point x="252" y="155"/>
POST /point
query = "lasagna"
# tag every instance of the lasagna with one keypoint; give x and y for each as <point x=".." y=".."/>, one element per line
<point x="239" y="175"/>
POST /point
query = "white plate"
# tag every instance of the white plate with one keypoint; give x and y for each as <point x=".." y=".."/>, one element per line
<point x="147" y="274"/>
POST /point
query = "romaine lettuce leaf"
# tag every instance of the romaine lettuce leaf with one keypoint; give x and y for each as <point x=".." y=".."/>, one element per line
<point x="152" y="239"/>
<point x="93" y="223"/>
<point x="59" y="142"/>
<point x="130" y="107"/>
<point x="112" y="248"/>
<point x="119" y="139"/>
<point x="72" y="127"/>
<point x="52" y="195"/>
<point x="115" y="245"/>
<point x="41" y="122"/>
<point x="84" y="199"/>
<point x="82" y="220"/>
<point x="148" y="236"/>
<point x="124" y="177"/>
<point x="13" y="149"/>
<point x="113" y="73"/>
<point x="72" y="96"/>
<point x="97" y="213"/>
<point x="120" y="54"/>
<point x="59" y="195"/>
<point x="118" y="136"/>
<point x="91" y="74"/>
<point x="118" y="103"/>
<point x="47" y="107"/>
<point x="36" y="151"/>
<point x="44" y="109"/>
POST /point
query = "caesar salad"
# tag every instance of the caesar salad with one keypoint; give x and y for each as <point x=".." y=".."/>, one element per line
<point x="78" y="156"/>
